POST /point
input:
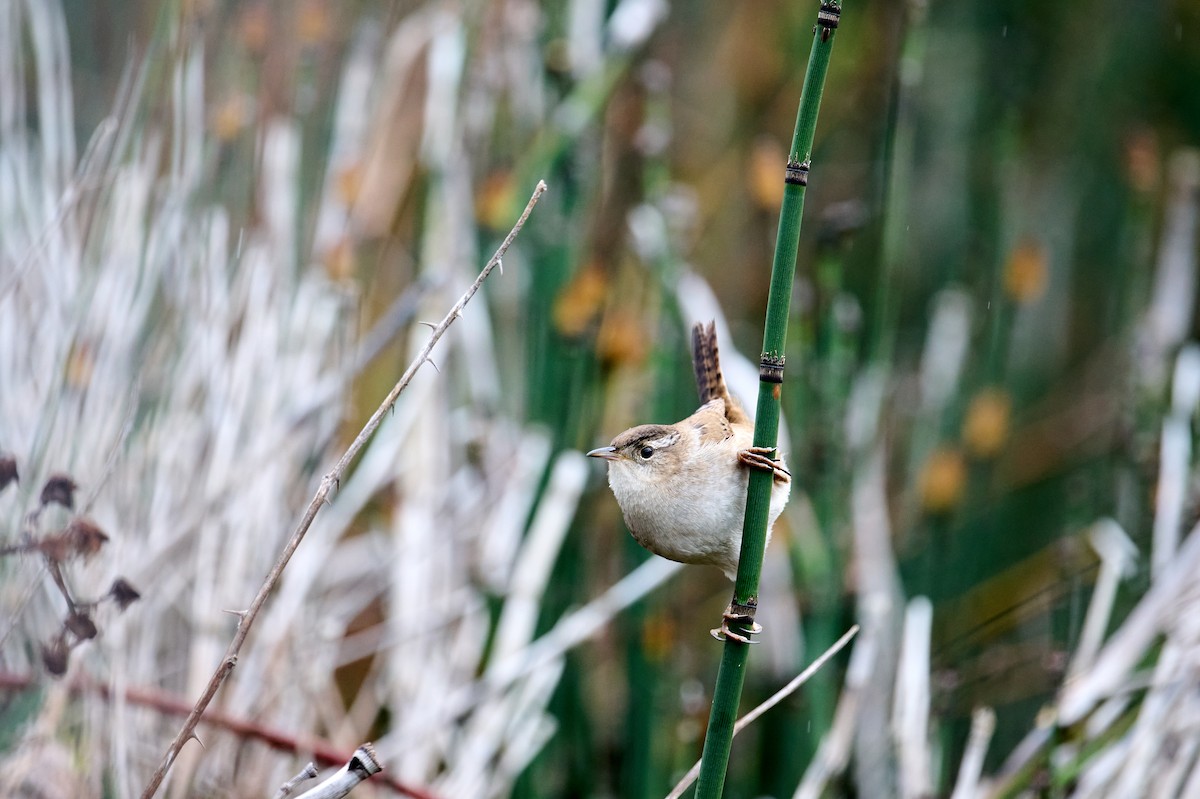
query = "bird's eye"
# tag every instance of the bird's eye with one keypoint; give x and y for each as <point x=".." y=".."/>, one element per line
<point x="646" y="452"/>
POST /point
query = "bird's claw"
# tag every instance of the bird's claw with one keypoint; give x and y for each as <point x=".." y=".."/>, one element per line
<point x="723" y="632"/>
<point x="760" y="458"/>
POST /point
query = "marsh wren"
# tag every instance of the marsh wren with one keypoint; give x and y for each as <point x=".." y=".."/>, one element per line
<point x="682" y="486"/>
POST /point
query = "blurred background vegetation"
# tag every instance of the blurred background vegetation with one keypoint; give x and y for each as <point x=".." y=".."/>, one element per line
<point x="997" y="270"/>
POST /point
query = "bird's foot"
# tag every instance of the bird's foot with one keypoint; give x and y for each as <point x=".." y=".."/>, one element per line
<point x="723" y="632"/>
<point x="760" y="458"/>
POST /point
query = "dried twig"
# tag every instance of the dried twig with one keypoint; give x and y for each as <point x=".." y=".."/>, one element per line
<point x="362" y="765"/>
<point x="328" y="484"/>
<point x="288" y="787"/>
<point x="321" y="751"/>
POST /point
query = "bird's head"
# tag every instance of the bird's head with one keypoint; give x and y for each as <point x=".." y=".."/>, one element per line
<point x="643" y="456"/>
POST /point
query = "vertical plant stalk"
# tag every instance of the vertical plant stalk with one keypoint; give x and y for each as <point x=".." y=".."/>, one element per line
<point x="728" y="691"/>
<point x="329" y="484"/>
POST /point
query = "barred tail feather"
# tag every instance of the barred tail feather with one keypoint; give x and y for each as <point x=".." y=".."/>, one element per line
<point x="707" y="362"/>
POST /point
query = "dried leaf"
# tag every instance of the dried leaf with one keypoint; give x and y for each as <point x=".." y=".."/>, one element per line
<point x="8" y="471"/>
<point x="123" y="593"/>
<point x="81" y="626"/>
<point x="56" y="656"/>
<point x="85" y="537"/>
<point x="59" y="488"/>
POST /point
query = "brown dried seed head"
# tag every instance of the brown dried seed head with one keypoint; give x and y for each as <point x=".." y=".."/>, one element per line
<point x="8" y="471"/>
<point x="85" y="537"/>
<point x="56" y="655"/>
<point x="123" y="593"/>
<point x="56" y="547"/>
<point x="61" y="489"/>
<point x="81" y="625"/>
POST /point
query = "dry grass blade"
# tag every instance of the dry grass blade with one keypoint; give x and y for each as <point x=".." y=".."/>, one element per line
<point x="328" y="484"/>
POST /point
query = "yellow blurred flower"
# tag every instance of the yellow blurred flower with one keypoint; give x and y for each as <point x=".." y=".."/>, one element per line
<point x="943" y="480"/>
<point x="1026" y="271"/>
<point x="494" y="200"/>
<point x="313" y="22"/>
<point x="621" y="339"/>
<point x="985" y="427"/>
<point x="339" y="261"/>
<point x="658" y="637"/>
<point x="230" y="117"/>
<point x="765" y="175"/>
<point x="348" y="183"/>
<point x="80" y="364"/>
<point x="1142" y="161"/>
<point x="580" y="301"/>
<point x="255" y="27"/>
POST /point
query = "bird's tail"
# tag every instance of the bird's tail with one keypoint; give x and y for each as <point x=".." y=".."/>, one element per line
<point x="706" y="360"/>
<point x="710" y="383"/>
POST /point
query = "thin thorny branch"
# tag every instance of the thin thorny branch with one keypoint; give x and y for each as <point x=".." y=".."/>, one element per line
<point x="328" y="484"/>
<point x="323" y="752"/>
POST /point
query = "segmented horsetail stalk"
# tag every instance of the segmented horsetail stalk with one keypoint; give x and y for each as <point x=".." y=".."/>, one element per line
<point x="728" y="691"/>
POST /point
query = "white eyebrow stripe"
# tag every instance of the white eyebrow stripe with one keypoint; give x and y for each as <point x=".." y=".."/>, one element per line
<point x="663" y="441"/>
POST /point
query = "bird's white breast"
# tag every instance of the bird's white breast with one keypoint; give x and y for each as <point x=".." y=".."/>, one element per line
<point x="694" y="515"/>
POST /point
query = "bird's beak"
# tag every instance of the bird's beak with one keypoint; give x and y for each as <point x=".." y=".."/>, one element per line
<point x="608" y="453"/>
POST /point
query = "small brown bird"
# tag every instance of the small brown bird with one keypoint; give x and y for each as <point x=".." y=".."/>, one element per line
<point x="682" y="486"/>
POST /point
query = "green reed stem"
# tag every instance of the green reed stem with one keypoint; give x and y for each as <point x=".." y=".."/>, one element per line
<point x="728" y="692"/>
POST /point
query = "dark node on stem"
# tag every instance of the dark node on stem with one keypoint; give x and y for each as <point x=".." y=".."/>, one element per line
<point x="770" y="368"/>
<point x="61" y="489"/>
<point x="796" y="173"/>
<point x="828" y="17"/>
<point x="123" y="593"/>
<point x="8" y="471"/>
<point x="745" y="611"/>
